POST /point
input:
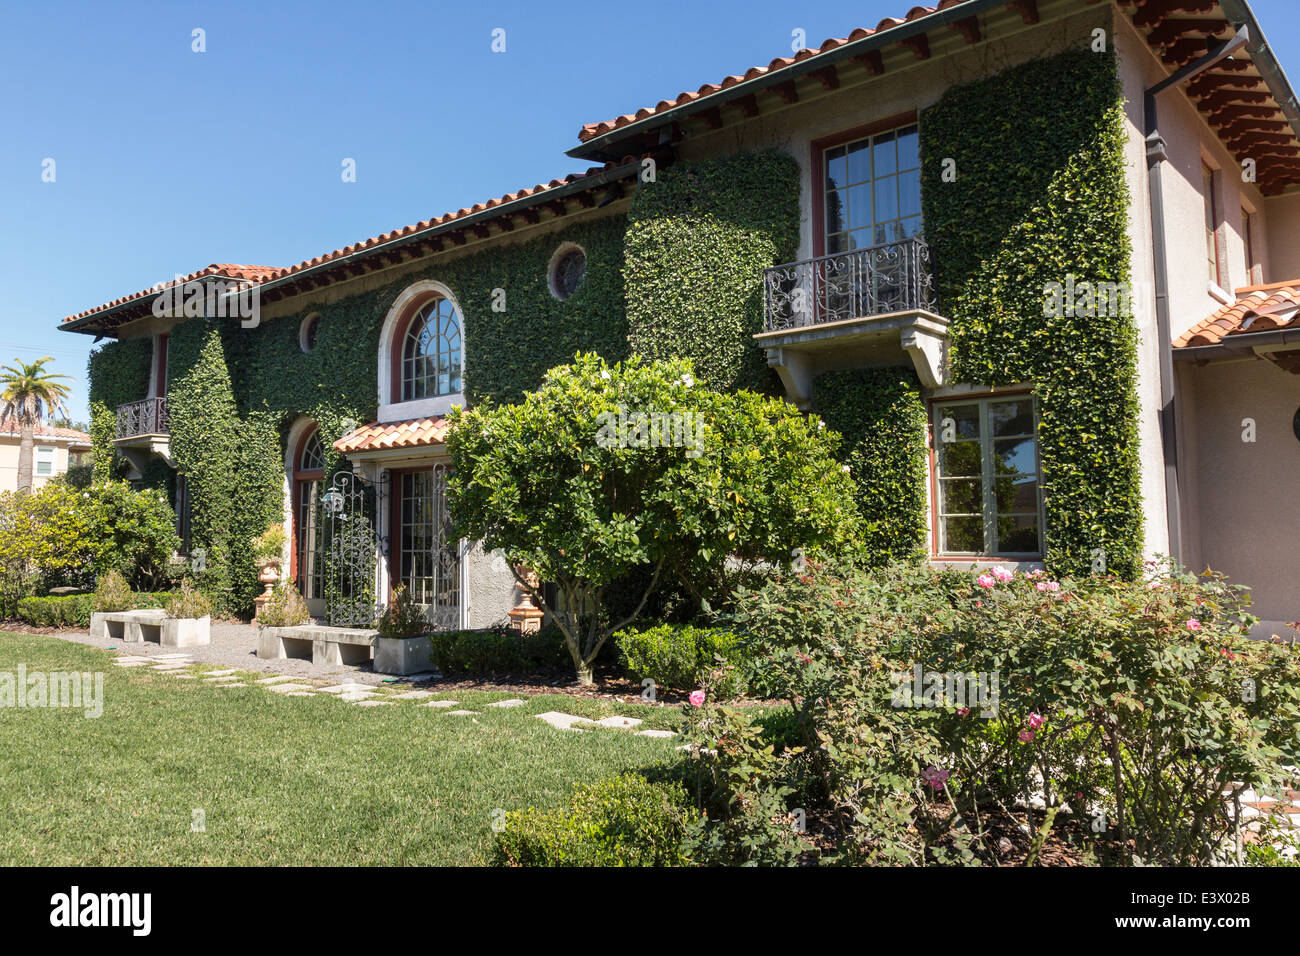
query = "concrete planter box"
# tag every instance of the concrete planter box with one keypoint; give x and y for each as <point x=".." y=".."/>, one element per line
<point x="409" y="655"/>
<point x="186" y="631"/>
<point x="129" y="627"/>
<point x="315" y="643"/>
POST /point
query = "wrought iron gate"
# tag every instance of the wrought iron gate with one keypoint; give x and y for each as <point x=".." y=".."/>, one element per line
<point x="428" y="550"/>
<point x="350" y="509"/>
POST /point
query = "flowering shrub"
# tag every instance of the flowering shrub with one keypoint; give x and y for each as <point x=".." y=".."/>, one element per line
<point x="1127" y="706"/>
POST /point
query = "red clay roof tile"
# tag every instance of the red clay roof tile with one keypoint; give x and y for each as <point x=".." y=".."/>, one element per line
<point x="1259" y="308"/>
<point x="382" y="436"/>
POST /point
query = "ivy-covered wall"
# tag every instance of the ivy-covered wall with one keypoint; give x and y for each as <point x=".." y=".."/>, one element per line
<point x="1039" y="194"/>
<point x="880" y="414"/>
<point x="698" y="239"/>
<point x="118" y="373"/>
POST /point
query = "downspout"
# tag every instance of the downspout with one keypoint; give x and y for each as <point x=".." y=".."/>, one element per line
<point x="1156" y="158"/>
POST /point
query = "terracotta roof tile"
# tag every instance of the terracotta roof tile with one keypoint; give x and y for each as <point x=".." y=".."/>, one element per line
<point x="253" y="274"/>
<point x="9" y="429"/>
<point x="1259" y="308"/>
<point x="592" y="130"/>
<point x="383" y="436"/>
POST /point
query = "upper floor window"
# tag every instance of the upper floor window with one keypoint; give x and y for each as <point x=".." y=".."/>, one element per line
<point x="1209" y="188"/>
<point x="989" y="500"/>
<point x="431" y="352"/>
<point x="568" y="267"/>
<point x="44" y="461"/>
<point x="872" y="190"/>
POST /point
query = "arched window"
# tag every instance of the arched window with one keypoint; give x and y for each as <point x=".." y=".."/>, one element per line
<point x="308" y="476"/>
<point x="431" y="354"/>
<point x="313" y="454"/>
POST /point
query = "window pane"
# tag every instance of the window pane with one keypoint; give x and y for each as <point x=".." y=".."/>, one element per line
<point x="1014" y="456"/>
<point x="859" y="163"/>
<point x="1018" y="534"/>
<point x="909" y="193"/>
<point x="965" y="421"/>
<point x="1015" y="495"/>
<point x="961" y="496"/>
<point x="884" y="155"/>
<point x="835" y="168"/>
<point x="859" y="212"/>
<point x="909" y="153"/>
<point x="959" y="459"/>
<point x="1012" y="418"/>
<point x="963" y="535"/>
<point x="837" y="211"/>
<point x="886" y="199"/>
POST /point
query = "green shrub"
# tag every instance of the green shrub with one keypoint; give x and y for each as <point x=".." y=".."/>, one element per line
<point x="74" y="610"/>
<point x="620" y="821"/>
<point x="112" y="593"/>
<point x="130" y="532"/>
<point x="499" y="650"/>
<point x="680" y="656"/>
<point x="187" y="601"/>
<point x="286" y="608"/>
<point x="403" y="619"/>
<point x="1130" y="703"/>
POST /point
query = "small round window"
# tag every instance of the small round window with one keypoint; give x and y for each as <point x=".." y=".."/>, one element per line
<point x="308" y="331"/>
<point x="567" y="269"/>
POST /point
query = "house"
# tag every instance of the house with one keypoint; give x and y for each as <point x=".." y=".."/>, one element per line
<point x="57" y="449"/>
<point x="1032" y="258"/>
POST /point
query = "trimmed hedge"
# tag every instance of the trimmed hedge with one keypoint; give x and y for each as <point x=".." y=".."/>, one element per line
<point x="620" y="821"/>
<point x="698" y="239"/>
<point x="880" y="414"/>
<point x="679" y="656"/>
<point x="74" y="610"/>
<point x="1040" y="194"/>
<point x="498" y="651"/>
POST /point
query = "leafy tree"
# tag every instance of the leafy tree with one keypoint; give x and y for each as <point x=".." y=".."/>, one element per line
<point x="28" y="394"/>
<point x="606" y="469"/>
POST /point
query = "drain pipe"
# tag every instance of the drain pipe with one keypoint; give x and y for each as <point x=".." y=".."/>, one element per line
<point x="1156" y="158"/>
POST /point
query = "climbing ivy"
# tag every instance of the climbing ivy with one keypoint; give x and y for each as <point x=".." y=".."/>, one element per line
<point x="1039" y="194"/>
<point x="118" y="373"/>
<point x="698" y="239"/>
<point x="880" y="414"/>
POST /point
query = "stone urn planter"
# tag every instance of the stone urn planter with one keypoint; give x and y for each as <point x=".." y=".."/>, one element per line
<point x="268" y="576"/>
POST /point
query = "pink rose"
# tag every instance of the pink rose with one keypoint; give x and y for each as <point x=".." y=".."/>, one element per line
<point x="985" y="580"/>
<point x="1036" y="720"/>
<point x="1003" y="575"/>
<point x="1193" y="624"/>
<point x="696" y="698"/>
<point x="1026" y="736"/>
<point x="934" y="778"/>
<point x="1047" y="586"/>
<point x="963" y="711"/>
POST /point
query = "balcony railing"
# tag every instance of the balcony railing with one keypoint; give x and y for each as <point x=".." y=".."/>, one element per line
<point x="890" y="277"/>
<point x="147" y="417"/>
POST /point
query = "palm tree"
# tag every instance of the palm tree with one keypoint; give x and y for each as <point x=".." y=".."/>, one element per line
<point x="29" y="394"/>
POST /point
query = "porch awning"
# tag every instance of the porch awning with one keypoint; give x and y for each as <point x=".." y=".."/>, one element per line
<point x="380" y="437"/>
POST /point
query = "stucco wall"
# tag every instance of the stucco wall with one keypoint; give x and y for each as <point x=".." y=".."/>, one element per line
<point x="492" y="588"/>
<point x="9" y="463"/>
<point x="1247" y="517"/>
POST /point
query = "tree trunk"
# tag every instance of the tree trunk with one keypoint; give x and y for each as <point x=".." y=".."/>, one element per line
<point x="26" y="431"/>
<point x="585" y="677"/>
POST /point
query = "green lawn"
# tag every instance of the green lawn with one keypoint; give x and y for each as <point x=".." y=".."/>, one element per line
<point x="280" y="780"/>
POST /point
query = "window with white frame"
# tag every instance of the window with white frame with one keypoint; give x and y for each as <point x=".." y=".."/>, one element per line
<point x="988" y="483"/>
<point x="431" y="352"/>
<point x="45" y="461"/>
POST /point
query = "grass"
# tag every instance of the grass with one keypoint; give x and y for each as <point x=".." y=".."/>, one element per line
<point x="281" y="781"/>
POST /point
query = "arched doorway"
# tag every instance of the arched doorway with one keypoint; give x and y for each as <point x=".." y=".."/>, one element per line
<point x="308" y="474"/>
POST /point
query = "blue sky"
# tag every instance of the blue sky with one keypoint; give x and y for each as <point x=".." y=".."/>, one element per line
<point x="167" y="160"/>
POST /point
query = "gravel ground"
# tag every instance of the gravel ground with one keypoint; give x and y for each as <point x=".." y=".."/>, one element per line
<point x="235" y="645"/>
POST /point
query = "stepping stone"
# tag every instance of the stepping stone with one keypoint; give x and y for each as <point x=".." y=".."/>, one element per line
<point x="219" y="673"/>
<point x="173" y="657"/>
<point x="138" y="658"/>
<point x="622" y="723"/>
<point x="275" y="680"/>
<point x="185" y="677"/>
<point x="301" y="693"/>
<point x="288" y="688"/>
<point x="133" y="664"/>
<point x="460" y="713"/>
<point x="655" y="733"/>
<point x="221" y="680"/>
<point x="347" y="688"/>
<point x="414" y="695"/>
<point x="562" y="721"/>
<point x="512" y="702"/>
<point x="441" y="703"/>
<point x="170" y="667"/>
<point x="354" y="696"/>
<point x="374" y="703"/>
<point x="232" y="685"/>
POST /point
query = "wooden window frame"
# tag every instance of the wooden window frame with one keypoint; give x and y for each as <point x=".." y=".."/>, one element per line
<point x="1214" y="223"/>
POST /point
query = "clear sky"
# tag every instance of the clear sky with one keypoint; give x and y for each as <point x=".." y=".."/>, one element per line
<point x="167" y="160"/>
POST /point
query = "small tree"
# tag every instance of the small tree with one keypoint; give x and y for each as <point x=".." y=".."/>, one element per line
<point x="27" y="394"/>
<point x="607" y="469"/>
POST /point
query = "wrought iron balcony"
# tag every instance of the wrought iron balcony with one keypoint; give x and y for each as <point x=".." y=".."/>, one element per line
<point x="147" y="417"/>
<point x="878" y="280"/>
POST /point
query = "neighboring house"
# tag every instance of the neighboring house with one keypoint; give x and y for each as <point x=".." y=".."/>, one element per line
<point x="1053" y="330"/>
<point x="56" y="450"/>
